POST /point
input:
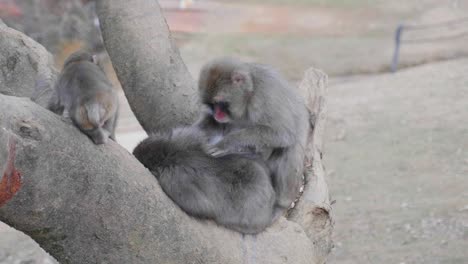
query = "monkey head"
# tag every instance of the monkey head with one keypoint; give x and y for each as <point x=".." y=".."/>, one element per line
<point x="225" y="86"/>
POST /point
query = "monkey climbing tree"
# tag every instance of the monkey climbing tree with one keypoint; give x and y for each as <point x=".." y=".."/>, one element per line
<point x="97" y="204"/>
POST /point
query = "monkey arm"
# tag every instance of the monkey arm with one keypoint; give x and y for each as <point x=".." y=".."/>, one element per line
<point x="255" y="138"/>
<point x="207" y="124"/>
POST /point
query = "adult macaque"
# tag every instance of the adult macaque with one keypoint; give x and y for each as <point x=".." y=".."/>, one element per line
<point x="251" y="108"/>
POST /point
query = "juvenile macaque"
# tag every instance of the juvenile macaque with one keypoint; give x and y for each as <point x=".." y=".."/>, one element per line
<point x="252" y="109"/>
<point x="232" y="190"/>
<point x="84" y="93"/>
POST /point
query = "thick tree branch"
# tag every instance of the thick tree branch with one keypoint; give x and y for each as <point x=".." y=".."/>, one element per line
<point x="27" y="69"/>
<point x="156" y="82"/>
<point x="93" y="204"/>
<point x="16" y="247"/>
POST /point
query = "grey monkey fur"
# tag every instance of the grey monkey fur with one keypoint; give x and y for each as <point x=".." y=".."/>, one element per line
<point x="261" y="113"/>
<point x="84" y="93"/>
<point x="234" y="190"/>
<point x="241" y="164"/>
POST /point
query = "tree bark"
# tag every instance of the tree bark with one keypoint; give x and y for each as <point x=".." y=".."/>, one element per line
<point x="27" y="69"/>
<point x="147" y="63"/>
<point x="313" y="210"/>
<point x="16" y="247"/>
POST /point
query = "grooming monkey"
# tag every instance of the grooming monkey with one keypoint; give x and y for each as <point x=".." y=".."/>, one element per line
<point x="84" y="93"/>
<point x="233" y="190"/>
<point x="252" y="109"/>
<point x="241" y="163"/>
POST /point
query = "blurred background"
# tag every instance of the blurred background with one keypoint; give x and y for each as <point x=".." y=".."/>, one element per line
<point x="397" y="137"/>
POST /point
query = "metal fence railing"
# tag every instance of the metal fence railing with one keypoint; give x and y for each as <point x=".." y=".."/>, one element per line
<point x="442" y="25"/>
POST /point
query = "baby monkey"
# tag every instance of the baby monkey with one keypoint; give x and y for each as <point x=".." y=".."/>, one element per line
<point x="84" y="94"/>
<point x="251" y="108"/>
<point x="232" y="190"/>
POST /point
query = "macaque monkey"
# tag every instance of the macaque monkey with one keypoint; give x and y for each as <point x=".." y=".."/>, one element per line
<point x="252" y="109"/>
<point x="235" y="191"/>
<point x="84" y="94"/>
<point x="241" y="164"/>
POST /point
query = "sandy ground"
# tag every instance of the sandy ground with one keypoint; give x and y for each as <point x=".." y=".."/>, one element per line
<point x="397" y="158"/>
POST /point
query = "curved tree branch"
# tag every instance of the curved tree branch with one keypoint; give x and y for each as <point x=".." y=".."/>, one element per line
<point x="27" y="68"/>
<point x="156" y="82"/>
<point x="16" y="247"/>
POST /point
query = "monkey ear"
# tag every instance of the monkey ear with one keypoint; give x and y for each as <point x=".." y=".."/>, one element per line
<point x="238" y="77"/>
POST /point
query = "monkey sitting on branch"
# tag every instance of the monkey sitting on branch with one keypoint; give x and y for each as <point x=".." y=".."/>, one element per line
<point x="84" y="94"/>
<point x="241" y="164"/>
<point x="252" y="108"/>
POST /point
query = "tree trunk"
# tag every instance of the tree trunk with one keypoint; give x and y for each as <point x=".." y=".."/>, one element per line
<point x="85" y="203"/>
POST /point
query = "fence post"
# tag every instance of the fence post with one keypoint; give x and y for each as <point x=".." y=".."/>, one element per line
<point x="396" y="52"/>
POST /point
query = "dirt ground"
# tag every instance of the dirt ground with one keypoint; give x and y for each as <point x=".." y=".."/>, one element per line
<point x="397" y="158"/>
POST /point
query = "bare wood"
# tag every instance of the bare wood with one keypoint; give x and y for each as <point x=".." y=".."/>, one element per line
<point x="313" y="210"/>
<point x="155" y="80"/>
<point x="12" y="240"/>
<point x="28" y="68"/>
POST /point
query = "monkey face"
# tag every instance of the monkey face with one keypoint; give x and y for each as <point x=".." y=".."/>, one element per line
<point x="226" y="94"/>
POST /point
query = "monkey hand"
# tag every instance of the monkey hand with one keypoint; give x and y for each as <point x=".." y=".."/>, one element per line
<point x="216" y="152"/>
<point x="222" y="148"/>
<point x="67" y="120"/>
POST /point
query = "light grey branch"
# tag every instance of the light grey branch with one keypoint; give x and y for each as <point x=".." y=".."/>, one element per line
<point x="313" y="211"/>
<point x="156" y="82"/>
<point x="27" y="69"/>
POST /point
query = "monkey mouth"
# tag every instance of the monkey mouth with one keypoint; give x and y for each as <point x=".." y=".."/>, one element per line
<point x="221" y="112"/>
